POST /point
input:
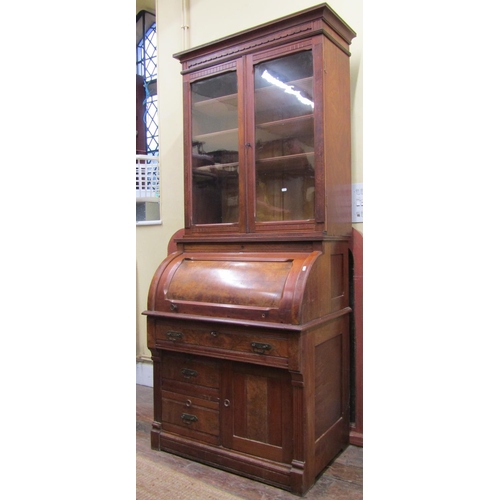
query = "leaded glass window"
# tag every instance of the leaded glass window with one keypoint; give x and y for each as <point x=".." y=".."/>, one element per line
<point x="147" y="70"/>
<point x="147" y="146"/>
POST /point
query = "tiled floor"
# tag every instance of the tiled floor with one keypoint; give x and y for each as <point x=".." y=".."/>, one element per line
<point x="341" y="480"/>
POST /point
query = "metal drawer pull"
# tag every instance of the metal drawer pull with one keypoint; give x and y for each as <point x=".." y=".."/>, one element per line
<point x="260" y="348"/>
<point x="189" y="419"/>
<point x="188" y="403"/>
<point x="214" y="333"/>
<point x="173" y="336"/>
<point x="189" y="373"/>
<point x="227" y="402"/>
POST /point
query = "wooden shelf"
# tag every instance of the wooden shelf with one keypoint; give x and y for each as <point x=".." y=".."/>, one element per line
<point x="227" y="168"/>
<point x="272" y="97"/>
<point x="298" y="161"/>
<point x="265" y="98"/>
<point x="222" y="139"/>
<point x="290" y="127"/>
<point x="221" y="110"/>
<point x="227" y="100"/>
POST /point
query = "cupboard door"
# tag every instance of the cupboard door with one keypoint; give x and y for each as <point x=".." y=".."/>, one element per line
<point x="257" y="411"/>
<point x="284" y="138"/>
<point x="215" y="159"/>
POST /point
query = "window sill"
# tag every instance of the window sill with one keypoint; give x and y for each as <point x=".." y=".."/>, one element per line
<point x="149" y="223"/>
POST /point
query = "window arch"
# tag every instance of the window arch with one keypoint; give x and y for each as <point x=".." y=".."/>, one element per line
<point x="146" y="86"/>
<point x="147" y="145"/>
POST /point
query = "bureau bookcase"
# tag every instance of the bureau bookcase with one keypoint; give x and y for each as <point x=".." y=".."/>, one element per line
<point x="248" y="319"/>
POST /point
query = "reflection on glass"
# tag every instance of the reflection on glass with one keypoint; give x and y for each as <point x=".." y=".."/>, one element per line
<point x="284" y="135"/>
<point x="214" y="114"/>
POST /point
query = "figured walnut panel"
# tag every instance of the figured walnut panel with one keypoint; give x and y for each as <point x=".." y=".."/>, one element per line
<point x="261" y="402"/>
<point x="230" y="282"/>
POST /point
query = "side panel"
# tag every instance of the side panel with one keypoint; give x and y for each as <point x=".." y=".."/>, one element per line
<point x="337" y="145"/>
<point x="331" y="355"/>
<point x="327" y="289"/>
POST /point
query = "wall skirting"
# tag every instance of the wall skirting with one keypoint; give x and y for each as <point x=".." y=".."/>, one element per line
<point x="144" y="372"/>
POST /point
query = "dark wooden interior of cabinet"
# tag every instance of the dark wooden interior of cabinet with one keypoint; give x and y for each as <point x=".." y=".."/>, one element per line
<point x="249" y="316"/>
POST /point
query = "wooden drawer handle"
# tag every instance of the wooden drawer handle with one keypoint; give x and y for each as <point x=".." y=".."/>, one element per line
<point x="189" y="419"/>
<point x="260" y="348"/>
<point x="189" y="373"/>
<point x="173" y="336"/>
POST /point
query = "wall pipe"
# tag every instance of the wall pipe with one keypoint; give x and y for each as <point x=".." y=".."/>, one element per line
<point x="185" y="24"/>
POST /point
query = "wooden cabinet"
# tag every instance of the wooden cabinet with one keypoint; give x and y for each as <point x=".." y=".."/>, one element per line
<point x="248" y="320"/>
<point x="266" y="123"/>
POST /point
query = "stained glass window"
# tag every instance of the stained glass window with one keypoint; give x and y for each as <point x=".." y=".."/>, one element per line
<point x="147" y="70"/>
<point x="147" y="170"/>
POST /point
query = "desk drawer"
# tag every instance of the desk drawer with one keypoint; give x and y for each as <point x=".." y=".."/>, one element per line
<point x="224" y="339"/>
<point x="190" y="416"/>
<point x="186" y="373"/>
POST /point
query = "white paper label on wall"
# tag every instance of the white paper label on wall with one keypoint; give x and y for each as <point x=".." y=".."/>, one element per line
<point x="357" y="202"/>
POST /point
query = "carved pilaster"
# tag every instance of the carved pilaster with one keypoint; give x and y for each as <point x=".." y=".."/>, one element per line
<point x="157" y="405"/>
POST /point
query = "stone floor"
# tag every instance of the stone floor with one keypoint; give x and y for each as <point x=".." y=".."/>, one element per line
<point x="341" y="480"/>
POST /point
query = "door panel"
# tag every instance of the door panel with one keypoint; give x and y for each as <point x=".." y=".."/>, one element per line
<point x="257" y="414"/>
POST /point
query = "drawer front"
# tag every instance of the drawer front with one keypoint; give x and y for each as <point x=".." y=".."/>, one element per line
<point x="223" y="339"/>
<point x="187" y="370"/>
<point x="190" y="416"/>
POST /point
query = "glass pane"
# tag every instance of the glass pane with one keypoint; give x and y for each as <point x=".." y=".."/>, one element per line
<point x="147" y="211"/>
<point x="215" y="149"/>
<point x="284" y="136"/>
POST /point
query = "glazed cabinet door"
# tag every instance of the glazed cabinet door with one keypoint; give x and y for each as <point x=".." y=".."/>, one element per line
<point x="256" y="411"/>
<point x="254" y="129"/>
<point x="213" y="177"/>
<point x="284" y="174"/>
